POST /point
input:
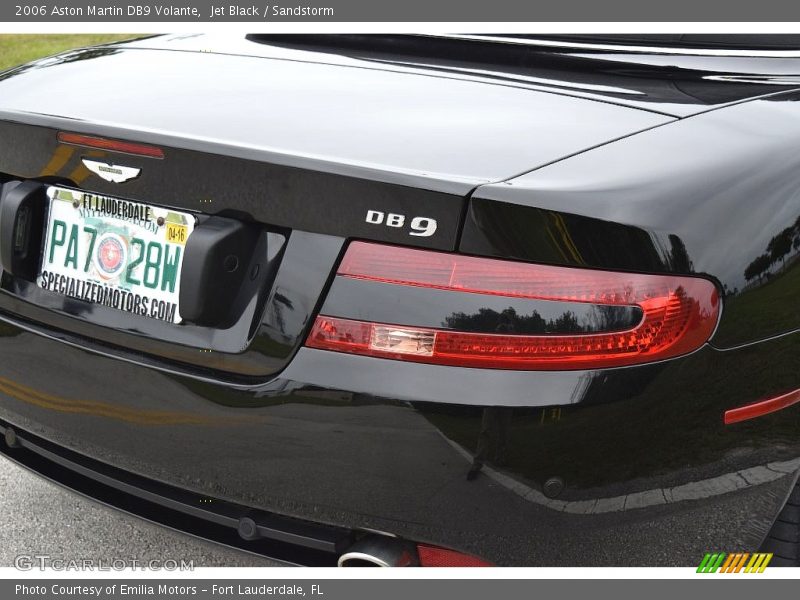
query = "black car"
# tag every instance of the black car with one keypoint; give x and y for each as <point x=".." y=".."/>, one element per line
<point x="412" y="300"/>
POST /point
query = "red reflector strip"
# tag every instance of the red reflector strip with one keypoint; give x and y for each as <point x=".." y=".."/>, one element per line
<point x="431" y="556"/>
<point x="679" y="313"/>
<point x="759" y="409"/>
<point x="89" y="141"/>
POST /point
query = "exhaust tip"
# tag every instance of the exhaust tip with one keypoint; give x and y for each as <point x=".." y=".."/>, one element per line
<point x="380" y="551"/>
<point x="359" y="559"/>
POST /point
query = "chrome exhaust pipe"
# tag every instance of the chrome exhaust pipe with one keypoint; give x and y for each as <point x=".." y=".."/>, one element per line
<point x="380" y="551"/>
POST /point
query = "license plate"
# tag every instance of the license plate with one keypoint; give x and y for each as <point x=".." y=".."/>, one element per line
<point x="117" y="253"/>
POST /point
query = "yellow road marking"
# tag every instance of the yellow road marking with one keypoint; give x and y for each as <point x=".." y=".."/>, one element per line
<point x="111" y="411"/>
<point x="60" y="158"/>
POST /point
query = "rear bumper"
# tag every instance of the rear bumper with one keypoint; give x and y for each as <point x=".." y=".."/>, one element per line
<point x="651" y="474"/>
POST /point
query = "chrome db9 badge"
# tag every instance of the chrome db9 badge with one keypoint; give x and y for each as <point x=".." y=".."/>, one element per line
<point x="113" y="173"/>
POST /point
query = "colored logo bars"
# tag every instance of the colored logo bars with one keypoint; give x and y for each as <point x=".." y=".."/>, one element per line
<point x="734" y="563"/>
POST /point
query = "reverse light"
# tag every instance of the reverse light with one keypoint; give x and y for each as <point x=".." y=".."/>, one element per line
<point x="89" y="141"/>
<point x="679" y="313"/>
<point x="402" y="340"/>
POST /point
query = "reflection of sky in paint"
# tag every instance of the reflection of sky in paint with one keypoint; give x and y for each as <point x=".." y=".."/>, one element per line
<point x="508" y="129"/>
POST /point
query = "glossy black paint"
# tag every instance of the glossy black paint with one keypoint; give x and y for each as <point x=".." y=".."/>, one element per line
<point x="450" y="456"/>
<point x="707" y="195"/>
<point x="645" y="456"/>
<point x="290" y="541"/>
<point x="213" y="181"/>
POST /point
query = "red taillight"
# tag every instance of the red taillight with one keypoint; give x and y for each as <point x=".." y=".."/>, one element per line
<point x="679" y="313"/>
<point x="764" y="407"/>
<point x="89" y="141"/>
<point x="432" y="556"/>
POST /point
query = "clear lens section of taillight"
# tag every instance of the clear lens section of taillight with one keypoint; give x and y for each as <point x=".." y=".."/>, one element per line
<point x="390" y="338"/>
<point x="679" y="313"/>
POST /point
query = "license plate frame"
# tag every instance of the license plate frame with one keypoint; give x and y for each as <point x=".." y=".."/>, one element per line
<point x="106" y="250"/>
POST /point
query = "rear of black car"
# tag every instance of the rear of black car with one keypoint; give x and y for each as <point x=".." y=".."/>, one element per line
<point x="406" y="300"/>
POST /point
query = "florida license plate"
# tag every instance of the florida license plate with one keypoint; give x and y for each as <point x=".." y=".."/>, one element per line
<point x="117" y="253"/>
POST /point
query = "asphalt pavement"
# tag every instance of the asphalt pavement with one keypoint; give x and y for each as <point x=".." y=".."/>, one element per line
<point x="38" y="517"/>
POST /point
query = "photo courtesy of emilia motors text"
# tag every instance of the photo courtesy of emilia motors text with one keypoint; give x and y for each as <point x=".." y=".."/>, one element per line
<point x="496" y="298"/>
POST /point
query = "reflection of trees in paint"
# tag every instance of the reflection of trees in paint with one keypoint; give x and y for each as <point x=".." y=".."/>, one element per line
<point x="778" y="248"/>
<point x="758" y="267"/>
<point x="596" y="318"/>
<point x="510" y="321"/>
<point x="781" y="245"/>
<point x="678" y="256"/>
